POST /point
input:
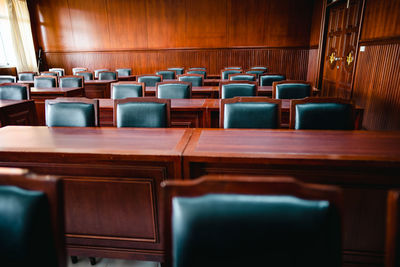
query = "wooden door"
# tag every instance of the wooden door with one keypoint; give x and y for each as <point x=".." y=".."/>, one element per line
<point x="341" y="43"/>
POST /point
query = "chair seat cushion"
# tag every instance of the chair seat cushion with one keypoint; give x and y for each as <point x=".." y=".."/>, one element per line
<point x="251" y="115"/>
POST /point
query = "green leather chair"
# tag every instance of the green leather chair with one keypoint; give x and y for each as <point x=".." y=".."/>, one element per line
<point x="123" y="90"/>
<point x="242" y="77"/>
<point x="149" y="80"/>
<point x="49" y="73"/>
<point x="96" y="72"/>
<point x="291" y="89"/>
<point x="233" y="68"/>
<point x="178" y="71"/>
<point x="268" y="79"/>
<point x="250" y="112"/>
<point x="60" y="71"/>
<point x="219" y="221"/>
<point x="72" y="112"/>
<point x="198" y="68"/>
<point x="87" y="75"/>
<point x="124" y="72"/>
<point x="175" y="89"/>
<point x="265" y="69"/>
<point x="196" y="79"/>
<point x="225" y="73"/>
<point x="198" y="71"/>
<point x="26" y="76"/>
<point x="166" y="74"/>
<point x="14" y="91"/>
<point x="142" y="112"/>
<point x="78" y="69"/>
<point x="71" y="81"/>
<point x="7" y="79"/>
<point x="31" y="220"/>
<point x="45" y="81"/>
<point x="107" y="75"/>
<point x="231" y="89"/>
<point x="318" y="113"/>
<point x="258" y="73"/>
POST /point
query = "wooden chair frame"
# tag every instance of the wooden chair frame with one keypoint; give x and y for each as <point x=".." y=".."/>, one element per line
<point x="270" y="73"/>
<point x="224" y="82"/>
<point x="143" y="99"/>
<point x="28" y="92"/>
<point x="244" y="99"/>
<point x="241" y="74"/>
<point x="307" y="100"/>
<point x="175" y="82"/>
<point x="274" y="84"/>
<point x="392" y="240"/>
<point x="189" y="75"/>
<point x="148" y="75"/>
<point x="109" y="71"/>
<point x="47" y="76"/>
<point x="129" y="82"/>
<point x="72" y="76"/>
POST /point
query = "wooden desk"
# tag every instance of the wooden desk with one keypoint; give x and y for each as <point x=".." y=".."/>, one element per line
<point x="365" y="164"/>
<point x="17" y="112"/>
<point x="213" y="76"/>
<point x="28" y="83"/>
<point x="39" y="95"/>
<point x="267" y="91"/>
<point x="111" y="182"/>
<point x="127" y="78"/>
<point x="212" y="82"/>
<point x="98" y="88"/>
<point x="197" y="92"/>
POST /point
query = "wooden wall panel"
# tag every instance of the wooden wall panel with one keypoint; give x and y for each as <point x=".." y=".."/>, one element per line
<point x="312" y="66"/>
<point x="316" y="23"/>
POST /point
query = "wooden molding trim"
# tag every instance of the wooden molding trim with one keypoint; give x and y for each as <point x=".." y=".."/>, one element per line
<point x="381" y="41"/>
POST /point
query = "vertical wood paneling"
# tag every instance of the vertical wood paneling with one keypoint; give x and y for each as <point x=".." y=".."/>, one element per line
<point x="316" y="23"/>
<point x="312" y="66"/>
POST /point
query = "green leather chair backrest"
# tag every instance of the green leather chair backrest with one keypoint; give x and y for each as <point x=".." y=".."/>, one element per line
<point x="13" y="92"/>
<point x="166" y="74"/>
<point x="259" y="115"/>
<point x="121" y="91"/>
<point x="254" y="230"/>
<point x="198" y="68"/>
<point x="70" y="114"/>
<point x="173" y="90"/>
<point x="201" y="72"/>
<point x="142" y="114"/>
<point x="96" y="72"/>
<point x="233" y="68"/>
<point x="49" y="73"/>
<point x="225" y="73"/>
<point x="44" y="82"/>
<point x="67" y="82"/>
<point x="107" y="75"/>
<point x="124" y="72"/>
<point x="267" y="80"/>
<point x="242" y="77"/>
<point x="324" y="116"/>
<point x="195" y="80"/>
<point x="26" y="238"/>
<point x="58" y="70"/>
<point x="256" y="72"/>
<point x="76" y="70"/>
<point x="149" y="81"/>
<point x="259" y="68"/>
<point x="178" y="71"/>
<point x="7" y="79"/>
<point x="26" y="76"/>
<point x="237" y="89"/>
<point x="292" y="91"/>
<point x="88" y="76"/>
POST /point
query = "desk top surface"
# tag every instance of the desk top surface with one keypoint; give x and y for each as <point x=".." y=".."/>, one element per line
<point x="6" y="103"/>
<point x="99" y="81"/>
<point x="53" y="90"/>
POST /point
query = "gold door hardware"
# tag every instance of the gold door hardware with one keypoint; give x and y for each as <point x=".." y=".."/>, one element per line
<point x="349" y="58"/>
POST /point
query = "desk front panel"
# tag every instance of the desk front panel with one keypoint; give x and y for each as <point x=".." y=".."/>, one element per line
<point x="17" y="112"/>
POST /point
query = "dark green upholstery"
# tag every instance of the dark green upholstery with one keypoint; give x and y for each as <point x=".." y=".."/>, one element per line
<point x="237" y="89"/>
<point x="108" y="75"/>
<point x="76" y="70"/>
<point x="13" y="92"/>
<point x="259" y="68"/>
<point x="242" y="77"/>
<point x="201" y="72"/>
<point x="267" y="80"/>
<point x="58" y="70"/>
<point x="178" y="71"/>
<point x="225" y="73"/>
<point x="67" y="82"/>
<point x="173" y="90"/>
<point x="88" y="76"/>
<point x="96" y="72"/>
<point x="70" y="114"/>
<point x="166" y="74"/>
<point x="195" y="80"/>
<point x="256" y="72"/>
<point x="26" y="237"/>
<point x="121" y="91"/>
<point x="324" y="116"/>
<point x="7" y="79"/>
<point x="149" y="81"/>
<point x="141" y="114"/>
<point x="53" y="73"/>
<point x="26" y="76"/>
<point x="251" y="115"/>
<point x="198" y="68"/>
<point x="254" y="230"/>
<point x="292" y="91"/>
<point x="233" y="68"/>
<point x="124" y="72"/>
<point x="44" y="82"/>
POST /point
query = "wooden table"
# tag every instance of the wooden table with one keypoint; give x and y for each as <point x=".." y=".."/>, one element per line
<point x="197" y="92"/>
<point x="365" y="164"/>
<point x="212" y="82"/>
<point x="39" y="95"/>
<point x="17" y="112"/>
<point x="98" y="88"/>
<point x="111" y="182"/>
<point x="127" y="78"/>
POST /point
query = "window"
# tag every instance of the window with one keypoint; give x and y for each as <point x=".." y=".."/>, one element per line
<point x="6" y="47"/>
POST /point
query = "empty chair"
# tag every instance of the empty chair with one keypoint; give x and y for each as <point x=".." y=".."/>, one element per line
<point x="14" y="91"/>
<point x="231" y="89"/>
<point x="124" y="72"/>
<point x="321" y="113"/>
<point x="250" y="112"/>
<point x="72" y="112"/>
<point x="166" y="74"/>
<point x="256" y="72"/>
<point x="174" y="89"/>
<point x="291" y="89"/>
<point x="195" y="79"/>
<point x="60" y="71"/>
<point x="122" y="90"/>
<point x="78" y="69"/>
<point x="87" y="75"/>
<point x="242" y="77"/>
<point x="45" y="81"/>
<point x="142" y="112"/>
<point x="198" y="71"/>
<point x="107" y="75"/>
<point x="96" y="72"/>
<point x="225" y="73"/>
<point x="197" y="68"/>
<point x="178" y="71"/>
<point x="268" y="79"/>
<point x="251" y="221"/>
<point x="232" y="68"/>
<point x="49" y="73"/>
<point x="26" y="76"/>
<point x="71" y="81"/>
<point x="7" y="79"/>
<point x="265" y="69"/>
<point x="31" y="219"/>
<point x="149" y="80"/>
<point x="392" y="242"/>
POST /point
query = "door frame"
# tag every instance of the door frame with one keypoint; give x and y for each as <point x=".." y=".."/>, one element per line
<point x="322" y="40"/>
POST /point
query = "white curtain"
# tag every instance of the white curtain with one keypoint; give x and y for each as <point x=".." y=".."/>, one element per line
<point x="18" y="37"/>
